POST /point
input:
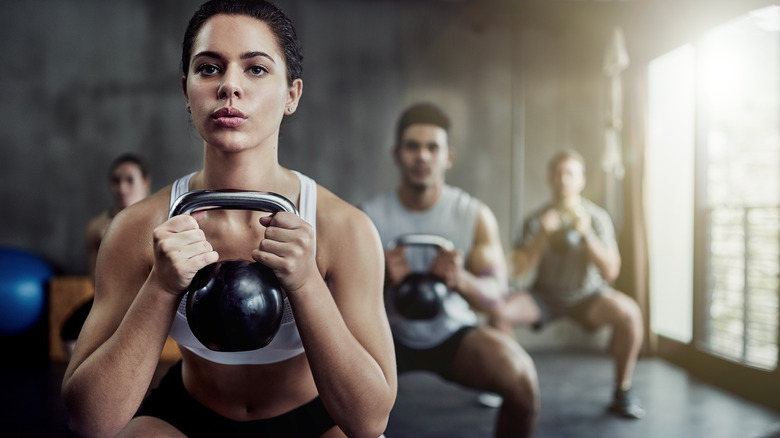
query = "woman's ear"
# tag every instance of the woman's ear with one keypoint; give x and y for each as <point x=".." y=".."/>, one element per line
<point x="184" y="90"/>
<point x="294" y="96"/>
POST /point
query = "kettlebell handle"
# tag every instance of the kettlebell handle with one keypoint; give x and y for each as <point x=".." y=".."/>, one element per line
<point x="228" y="199"/>
<point x="423" y="240"/>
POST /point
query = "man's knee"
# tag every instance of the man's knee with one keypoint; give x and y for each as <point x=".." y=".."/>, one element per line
<point x="519" y="309"/>
<point x="492" y="354"/>
<point x="526" y="385"/>
<point x="629" y="311"/>
<point x="513" y="370"/>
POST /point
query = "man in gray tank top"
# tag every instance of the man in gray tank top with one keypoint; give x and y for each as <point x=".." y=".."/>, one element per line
<point x="451" y="343"/>
<point x="570" y="243"/>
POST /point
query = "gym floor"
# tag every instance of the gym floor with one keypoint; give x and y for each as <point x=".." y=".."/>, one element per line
<point x="575" y="387"/>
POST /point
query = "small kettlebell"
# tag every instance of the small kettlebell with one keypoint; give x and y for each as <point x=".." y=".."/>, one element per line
<point x="420" y="295"/>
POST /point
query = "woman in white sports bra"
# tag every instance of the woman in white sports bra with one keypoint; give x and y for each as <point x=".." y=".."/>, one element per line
<point x="331" y="372"/>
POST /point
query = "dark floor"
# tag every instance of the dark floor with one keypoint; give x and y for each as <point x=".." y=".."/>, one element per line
<point x="575" y="390"/>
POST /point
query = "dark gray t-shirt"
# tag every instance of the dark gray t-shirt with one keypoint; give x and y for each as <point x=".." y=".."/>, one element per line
<point x="565" y="276"/>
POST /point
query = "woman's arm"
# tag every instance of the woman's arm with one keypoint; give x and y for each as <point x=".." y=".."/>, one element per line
<point x="135" y="302"/>
<point x="337" y="301"/>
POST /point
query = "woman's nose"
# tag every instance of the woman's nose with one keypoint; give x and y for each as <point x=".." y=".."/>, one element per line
<point x="230" y="86"/>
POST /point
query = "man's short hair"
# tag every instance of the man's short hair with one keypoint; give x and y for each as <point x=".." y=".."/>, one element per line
<point x="421" y="113"/>
<point x="567" y="154"/>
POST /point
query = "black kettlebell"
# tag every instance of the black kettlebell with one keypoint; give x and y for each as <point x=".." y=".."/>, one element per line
<point x="234" y="305"/>
<point x="566" y="237"/>
<point x="420" y="295"/>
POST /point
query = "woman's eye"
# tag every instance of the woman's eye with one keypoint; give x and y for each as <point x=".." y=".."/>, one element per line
<point x="207" y="69"/>
<point x="258" y="70"/>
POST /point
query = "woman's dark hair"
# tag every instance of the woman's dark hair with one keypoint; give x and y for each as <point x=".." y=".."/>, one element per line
<point x="128" y="158"/>
<point x="281" y="26"/>
<point x="422" y="113"/>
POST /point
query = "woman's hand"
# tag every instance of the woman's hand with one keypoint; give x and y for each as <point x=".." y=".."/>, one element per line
<point x="180" y="251"/>
<point x="288" y="248"/>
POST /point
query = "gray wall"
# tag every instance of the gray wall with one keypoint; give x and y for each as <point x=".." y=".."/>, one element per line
<point x="91" y="79"/>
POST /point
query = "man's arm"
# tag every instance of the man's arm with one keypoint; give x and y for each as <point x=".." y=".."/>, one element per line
<point x="605" y="257"/>
<point x="526" y="257"/>
<point x="482" y="279"/>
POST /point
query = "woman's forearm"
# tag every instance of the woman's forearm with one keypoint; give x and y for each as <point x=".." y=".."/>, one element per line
<point x="104" y="390"/>
<point x="356" y="390"/>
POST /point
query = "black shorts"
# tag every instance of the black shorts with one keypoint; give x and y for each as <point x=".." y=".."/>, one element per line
<point x="437" y="359"/>
<point x="171" y="402"/>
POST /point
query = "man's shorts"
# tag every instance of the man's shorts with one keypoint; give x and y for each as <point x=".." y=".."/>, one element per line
<point x="577" y="311"/>
<point x="171" y="402"/>
<point x="437" y="359"/>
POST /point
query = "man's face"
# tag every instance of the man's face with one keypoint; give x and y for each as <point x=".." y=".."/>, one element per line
<point x="423" y="155"/>
<point x="567" y="179"/>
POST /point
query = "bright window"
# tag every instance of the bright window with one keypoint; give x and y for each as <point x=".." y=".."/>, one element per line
<point x="735" y="126"/>
<point x="740" y="119"/>
<point x="669" y="174"/>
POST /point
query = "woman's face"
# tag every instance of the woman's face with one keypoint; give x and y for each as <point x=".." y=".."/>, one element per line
<point x="128" y="185"/>
<point x="237" y="87"/>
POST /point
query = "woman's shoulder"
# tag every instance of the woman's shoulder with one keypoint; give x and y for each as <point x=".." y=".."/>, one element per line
<point x="144" y="215"/>
<point x="332" y="209"/>
<point x="336" y="218"/>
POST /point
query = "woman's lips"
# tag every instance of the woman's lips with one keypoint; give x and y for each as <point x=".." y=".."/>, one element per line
<point x="229" y="117"/>
<point x="229" y="122"/>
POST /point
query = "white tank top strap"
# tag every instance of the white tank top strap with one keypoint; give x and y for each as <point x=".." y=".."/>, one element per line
<point x="308" y="200"/>
<point x="180" y="187"/>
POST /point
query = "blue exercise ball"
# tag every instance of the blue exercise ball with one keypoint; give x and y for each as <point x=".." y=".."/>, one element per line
<point x="23" y="281"/>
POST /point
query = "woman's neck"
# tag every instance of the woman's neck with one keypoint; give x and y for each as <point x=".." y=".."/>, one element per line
<point x="251" y="169"/>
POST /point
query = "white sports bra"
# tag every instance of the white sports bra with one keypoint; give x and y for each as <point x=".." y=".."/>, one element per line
<point x="287" y="342"/>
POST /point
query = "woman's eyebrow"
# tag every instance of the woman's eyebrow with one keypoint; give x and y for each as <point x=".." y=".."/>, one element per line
<point x="247" y="55"/>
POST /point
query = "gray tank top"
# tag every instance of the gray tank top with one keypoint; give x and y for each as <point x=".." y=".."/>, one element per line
<point x="453" y="217"/>
<point x="287" y="342"/>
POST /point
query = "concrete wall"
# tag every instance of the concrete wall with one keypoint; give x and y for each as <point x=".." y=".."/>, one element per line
<point x="89" y="80"/>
